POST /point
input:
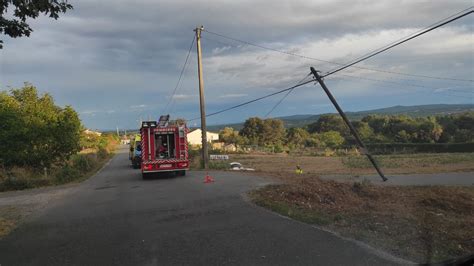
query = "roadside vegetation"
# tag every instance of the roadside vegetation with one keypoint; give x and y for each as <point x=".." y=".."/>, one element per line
<point x="422" y="224"/>
<point x="44" y="144"/>
<point x="386" y="134"/>
<point x="402" y="144"/>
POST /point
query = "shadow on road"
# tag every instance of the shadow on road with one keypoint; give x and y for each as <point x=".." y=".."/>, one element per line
<point x="163" y="175"/>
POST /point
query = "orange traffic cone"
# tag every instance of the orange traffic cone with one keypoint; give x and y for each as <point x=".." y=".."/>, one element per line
<point x="208" y="179"/>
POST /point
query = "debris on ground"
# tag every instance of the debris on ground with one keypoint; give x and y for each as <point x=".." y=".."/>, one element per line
<point x="236" y="166"/>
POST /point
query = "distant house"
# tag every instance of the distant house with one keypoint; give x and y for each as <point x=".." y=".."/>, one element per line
<point x="230" y="147"/>
<point x="125" y="140"/>
<point x="194" y="137"/>
<point x="91" y="132"/>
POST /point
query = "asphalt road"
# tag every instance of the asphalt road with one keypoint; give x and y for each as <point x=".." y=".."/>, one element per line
<point x="116" y="218"/>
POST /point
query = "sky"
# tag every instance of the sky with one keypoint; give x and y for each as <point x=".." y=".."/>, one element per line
<point x="117" y="62"/>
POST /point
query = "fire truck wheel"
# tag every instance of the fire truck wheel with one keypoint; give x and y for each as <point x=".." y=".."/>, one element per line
<point x="181" y="173"/>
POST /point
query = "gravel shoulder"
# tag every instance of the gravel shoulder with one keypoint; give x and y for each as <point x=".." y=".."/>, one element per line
<point x="17" y="207"/>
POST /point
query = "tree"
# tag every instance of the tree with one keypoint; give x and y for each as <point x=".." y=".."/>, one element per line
<point x="252" y="130"/>
<point x="230" y="136"/>
<point x="327" y="123"/>
<point x="377" y="123"/>
<point x="331" y="139"/>
<point x="34" y="131"/>
<point x="22" y="10"/>
<point x="457" y="128"/>
<point x="364" y="130"/>
<point x="297" y="136"/>
<point x="263" y="132"/>
<point x="273" y="132"/>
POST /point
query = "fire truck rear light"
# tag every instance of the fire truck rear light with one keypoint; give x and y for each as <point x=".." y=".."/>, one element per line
<point x="183" y="164"/>
<point x="148" y="166"/>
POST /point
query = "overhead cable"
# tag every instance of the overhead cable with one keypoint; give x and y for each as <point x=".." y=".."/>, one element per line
<point x="378" y="51"/>
<point x="180" y="76"/>
<point x="254" y="100"/>
<point x="331" y="62"/>
<point x="284" y="97"/>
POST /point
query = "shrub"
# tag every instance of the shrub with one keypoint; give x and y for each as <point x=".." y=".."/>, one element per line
<point x="13" y="183"/>
<point x="82" y="163"/>
<point x="66" y="174"/>
<point x="218" y="165"/>
<point x="102" y="153"/>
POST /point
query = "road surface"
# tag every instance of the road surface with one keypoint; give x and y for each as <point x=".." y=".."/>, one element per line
<point x="116" y="218"/>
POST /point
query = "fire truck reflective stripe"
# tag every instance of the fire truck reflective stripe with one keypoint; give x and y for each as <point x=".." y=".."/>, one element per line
<point x="165" y="161"/>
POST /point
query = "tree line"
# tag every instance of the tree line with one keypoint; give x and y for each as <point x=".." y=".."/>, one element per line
<point x="329" y="131"/>
<point x="36" y="133"/>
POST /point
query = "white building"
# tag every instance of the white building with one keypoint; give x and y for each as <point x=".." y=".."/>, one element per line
<point x="194" y="137"/>
<point x="91" y="132"/>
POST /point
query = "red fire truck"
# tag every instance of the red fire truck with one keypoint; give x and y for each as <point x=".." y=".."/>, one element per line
<point x="164" y="147"/>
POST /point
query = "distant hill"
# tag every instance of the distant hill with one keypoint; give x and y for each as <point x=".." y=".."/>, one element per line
<point x="414" y="111"/>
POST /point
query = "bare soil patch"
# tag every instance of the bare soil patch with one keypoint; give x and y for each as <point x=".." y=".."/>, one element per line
<point x="422" y="224"/>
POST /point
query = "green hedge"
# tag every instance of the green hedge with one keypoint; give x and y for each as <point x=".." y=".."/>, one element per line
<point x="389" y="148"/>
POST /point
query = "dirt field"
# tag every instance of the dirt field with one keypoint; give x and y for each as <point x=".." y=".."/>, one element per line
<point x="422" y="224"/>
<point x="357" y="165"/>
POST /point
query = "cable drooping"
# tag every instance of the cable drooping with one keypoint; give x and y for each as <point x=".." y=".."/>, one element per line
<point x="254" y="100"/>
<point x="341" y="64"/>
<point x="378" y="51"/>
<point x="180" y="76"/>
<point x="284" y="97"/>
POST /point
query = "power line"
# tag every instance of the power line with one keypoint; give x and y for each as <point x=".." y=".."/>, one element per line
<point x="412" y="34"/>
<point x="284" y="97"/>
<point x="378" y="51"/>
<point x="398" y="83"/>
<point x="180" y="75"/>
<point x="254" y="100"/>
<point x="327" y="61"/>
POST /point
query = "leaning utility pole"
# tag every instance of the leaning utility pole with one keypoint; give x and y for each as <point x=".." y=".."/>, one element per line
<point x="348" y="123"/>
<point x="198" y="31"/>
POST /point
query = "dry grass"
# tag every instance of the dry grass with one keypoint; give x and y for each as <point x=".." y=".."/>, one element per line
<point x="357" y="165"/>
<point x="422" y="224"/>
<point x="6" y="225"/>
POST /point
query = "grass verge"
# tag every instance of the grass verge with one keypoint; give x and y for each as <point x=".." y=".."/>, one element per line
<point x="78" y="168"/>
<point x="422" y="224"/>
<point x="409" y="160"/>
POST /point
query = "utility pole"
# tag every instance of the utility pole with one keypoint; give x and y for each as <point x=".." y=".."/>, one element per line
<point x="198" y="31"/>
<point x="348" y="123"/>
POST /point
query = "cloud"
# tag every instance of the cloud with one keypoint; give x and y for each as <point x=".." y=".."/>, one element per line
<point x="127" y="56"/>
<point x="140" y="106"/>
<point x="233" y="95"/>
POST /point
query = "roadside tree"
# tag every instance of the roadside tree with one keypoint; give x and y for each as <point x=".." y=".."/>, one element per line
<point x="34" y="131"/>
<point x="17" y="25"/>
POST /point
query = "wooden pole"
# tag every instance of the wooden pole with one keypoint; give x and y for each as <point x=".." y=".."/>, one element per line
<point x="204" y="152"/>
<point x="348" y="123"/>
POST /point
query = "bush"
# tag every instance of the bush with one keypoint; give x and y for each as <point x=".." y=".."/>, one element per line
<point x="13" y="183"/>
<point x="102" y="153"/>
<point x="82" y="162"/>
<point x="218" y="165"/>
<point x="67" y="174"/>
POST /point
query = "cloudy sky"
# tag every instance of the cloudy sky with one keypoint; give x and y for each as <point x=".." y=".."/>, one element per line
<point x="118" y="61"/>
